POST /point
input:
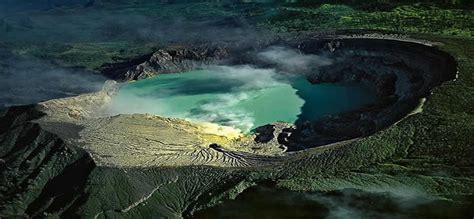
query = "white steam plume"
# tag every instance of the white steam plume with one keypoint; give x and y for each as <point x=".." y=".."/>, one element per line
<point x="292" y="60"/>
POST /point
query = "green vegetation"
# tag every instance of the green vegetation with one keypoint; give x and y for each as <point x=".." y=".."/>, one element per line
<point x="415" y="18"/>
<point x="93" y="52"/>
<point x="89" y="55"/>
<point x="93" y="36"/>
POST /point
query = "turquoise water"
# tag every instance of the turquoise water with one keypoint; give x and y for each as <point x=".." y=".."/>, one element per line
<point x="241" y="97"/>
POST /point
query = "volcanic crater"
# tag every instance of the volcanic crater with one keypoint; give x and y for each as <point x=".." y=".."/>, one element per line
<point x="402" y="72"/>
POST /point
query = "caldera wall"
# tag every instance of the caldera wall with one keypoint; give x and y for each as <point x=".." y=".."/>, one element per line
<point x="402" y="72"/>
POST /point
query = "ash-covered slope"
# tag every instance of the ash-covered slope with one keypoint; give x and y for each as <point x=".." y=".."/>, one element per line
<point x="41" y="175"/>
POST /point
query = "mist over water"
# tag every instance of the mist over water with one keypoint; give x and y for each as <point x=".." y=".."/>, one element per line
<point x="292" y="60"/>
<point x="242" y="97"/>
<point x="219" y="94"/>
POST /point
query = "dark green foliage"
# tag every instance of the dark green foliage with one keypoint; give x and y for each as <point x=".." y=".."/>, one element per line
<point x="407" y="18"/>
<point x="382" y="5"/>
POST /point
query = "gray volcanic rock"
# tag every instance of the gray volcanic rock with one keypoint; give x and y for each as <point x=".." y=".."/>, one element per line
<point x="171" y="60"/>
<point x="278" y="132"/>
<point x="402" y="72"/>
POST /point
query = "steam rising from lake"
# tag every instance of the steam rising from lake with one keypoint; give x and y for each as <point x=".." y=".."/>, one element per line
<point x="217" y="95"/>
<point x="292" y="60"/>
<point x="243" y="97"/>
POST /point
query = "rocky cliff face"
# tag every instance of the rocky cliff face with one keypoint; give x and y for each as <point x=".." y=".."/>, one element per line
<point x="164" y="61"/>
<point x="403" y="73"/>
<point x="39" y="173"/>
